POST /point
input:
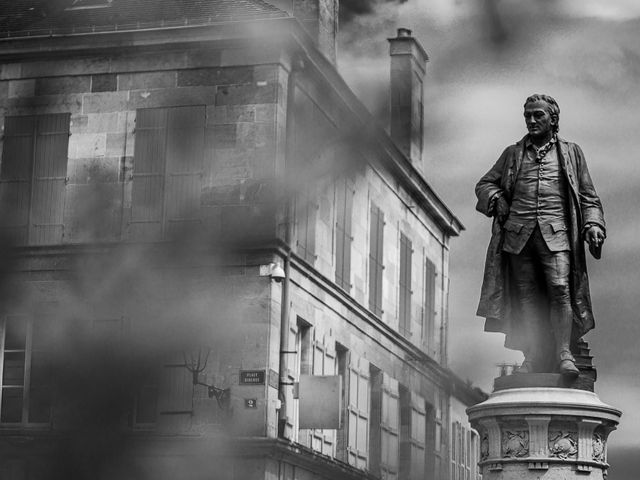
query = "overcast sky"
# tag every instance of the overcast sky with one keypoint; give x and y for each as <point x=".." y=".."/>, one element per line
<point x="486" y="58"/>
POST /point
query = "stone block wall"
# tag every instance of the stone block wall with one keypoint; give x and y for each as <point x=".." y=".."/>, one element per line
<point x="245" y="116"/>
<point x="329" y="150"/>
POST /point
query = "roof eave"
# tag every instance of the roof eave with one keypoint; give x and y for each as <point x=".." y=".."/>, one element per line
<point x="12" y="48"/>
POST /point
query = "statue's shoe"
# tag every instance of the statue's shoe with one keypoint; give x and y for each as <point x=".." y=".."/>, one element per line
<point x="568" y="368"/>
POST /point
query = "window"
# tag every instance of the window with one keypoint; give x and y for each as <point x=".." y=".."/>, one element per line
<point x="297" y="361"/>
<point x="25" y="396"/>
<point x="306" y="213"/>
<point x="176" y="391"/>
<point x="389" y="428"/>
<point x="109" y="335"/>
<point x="413" y="435"/>
<point x="404" y="311"/>
<point x="376" y="245"/>
<point x="460" y="452"/>
<point x="344" y="208"/>
<point x="33" y="177"/>
<point x="440" y="434"/>
<point x="342" y="358"/>
<point x="145" y="411"/>
<point x="429" y="309"/>
<point x="474" y="450"/>
<point x="358" y="408"/>
<point x="167" y="171"/>
<point x="324" y="363"/>
<point x="375" y="429"/>
<point x="455" y="451"/>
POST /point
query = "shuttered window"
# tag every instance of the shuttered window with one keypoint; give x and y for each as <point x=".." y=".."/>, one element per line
<point x="455" y="452"/>
<point x="306" y="214"/>
<point x="413" y="436"/>
<point x="390" y="429"/>
<point x="145" y="410"/>
<point x="404" y="310"/>
<point x="460" y="452"/>
<point x="358" y="413"/>
<point x="33" y="178"/>
<point x="344" y="210"/>
<point x="429" y="309"/>
<point x="175" y="402"/>
<point x="167" y="171"/>
<point x="440" y="434"/>
<point x="375" y="431"/>
<point x="417" y="439"/>
<point x="376" y="244"/>
<point x="25" y="396"/>
<point x="324" y="363"/>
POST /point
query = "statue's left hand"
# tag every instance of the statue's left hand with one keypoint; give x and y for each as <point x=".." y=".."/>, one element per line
<point x="595" y="237"/>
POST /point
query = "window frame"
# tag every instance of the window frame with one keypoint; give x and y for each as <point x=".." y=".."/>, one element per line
<point x="26" y="386"/>
<point x="42" y="153"/>
<point x="344" y="196"/>
<point x="404" y="285"/>
<point x="376" y="259"/>
<point x="166" y="170"/>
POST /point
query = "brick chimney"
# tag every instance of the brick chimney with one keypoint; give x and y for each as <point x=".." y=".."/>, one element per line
<point x="320" y="20"/>
<point x="408" y="66"/>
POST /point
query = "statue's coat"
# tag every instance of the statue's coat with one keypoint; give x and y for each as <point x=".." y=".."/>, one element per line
<point x="497" y="302"/>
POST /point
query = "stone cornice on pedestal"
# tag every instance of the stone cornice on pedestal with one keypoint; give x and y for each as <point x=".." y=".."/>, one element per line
<point x="561" y="431"/>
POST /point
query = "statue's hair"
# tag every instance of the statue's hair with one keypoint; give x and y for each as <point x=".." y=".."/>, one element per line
<point x="552" y="107"/>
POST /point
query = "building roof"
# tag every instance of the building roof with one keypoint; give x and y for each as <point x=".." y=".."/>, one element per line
<point x="62" y="16"/>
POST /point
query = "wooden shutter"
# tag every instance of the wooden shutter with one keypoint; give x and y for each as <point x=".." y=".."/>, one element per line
<point x="175" y="403"/>
<point x="33" y="177"/>
<point x="306" y="216"/>
<point x="390" y="429"/>
<point x="376" y="244"/>
<point x="358" y="413"/>
<point x="412" y="435"/>
<point x="40" y="370"/>
<point x="147" y="209"/>
<point x="293" y="361"/>
<point x="184" y="151"/>
<point x="429" y="310"/>
<point x="417" y="437"/>
<point x="404" y="310"/>
<point x="324" y="363"/>
<point x="49" y="179"/>
<point x="344" y="208"/>
<point x="15" y="177"/>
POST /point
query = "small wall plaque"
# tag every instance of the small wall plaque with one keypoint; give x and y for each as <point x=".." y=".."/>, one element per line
<point x="252" y="377"/>
<point x="250" y="403"/>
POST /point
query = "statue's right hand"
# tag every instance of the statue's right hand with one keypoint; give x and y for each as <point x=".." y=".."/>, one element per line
<point x="502" y="210"/>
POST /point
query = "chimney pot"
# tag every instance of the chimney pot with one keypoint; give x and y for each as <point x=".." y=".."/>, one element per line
<point x="404" y="32"/>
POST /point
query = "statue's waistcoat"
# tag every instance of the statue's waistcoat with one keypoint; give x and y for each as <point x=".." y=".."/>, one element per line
<point x="539" y="198"/>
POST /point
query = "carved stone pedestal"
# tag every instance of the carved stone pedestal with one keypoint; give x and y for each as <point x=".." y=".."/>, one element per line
<point x="543" y="433"/>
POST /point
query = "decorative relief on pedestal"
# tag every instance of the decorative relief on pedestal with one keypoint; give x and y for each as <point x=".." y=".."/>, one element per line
<point x="484" y="447"/>
<point x="563" y="444"/>
<point x="515" y="443"/>
<point x="598" y="447"/>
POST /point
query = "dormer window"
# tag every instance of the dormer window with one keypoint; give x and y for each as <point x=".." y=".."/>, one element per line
<point x="89" y="4"/>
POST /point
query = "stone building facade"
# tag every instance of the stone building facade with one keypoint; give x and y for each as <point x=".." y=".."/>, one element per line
<point x="201" y="225"/>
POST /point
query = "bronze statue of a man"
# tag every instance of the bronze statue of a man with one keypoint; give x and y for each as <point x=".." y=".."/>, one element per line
<point x="535" y="287"/>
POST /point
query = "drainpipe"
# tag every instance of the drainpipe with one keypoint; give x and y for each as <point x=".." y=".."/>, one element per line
<point x="286" y="284"/>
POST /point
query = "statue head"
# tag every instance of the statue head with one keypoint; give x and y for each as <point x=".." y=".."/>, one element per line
<point x="542" y="115"/>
